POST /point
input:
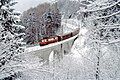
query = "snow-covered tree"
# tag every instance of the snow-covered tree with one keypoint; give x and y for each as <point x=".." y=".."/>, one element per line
<point x="32" y="27"/>
<point x="68" y="8"/>
<point x="102" y="20"/>
<point x="11" y="43"/>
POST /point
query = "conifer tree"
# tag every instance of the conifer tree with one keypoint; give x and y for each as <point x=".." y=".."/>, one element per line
<point x="11" y="43"/>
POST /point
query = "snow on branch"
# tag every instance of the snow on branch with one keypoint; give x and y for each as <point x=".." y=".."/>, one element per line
<point x="85" y="10"/>
<point x="104" y="16"/>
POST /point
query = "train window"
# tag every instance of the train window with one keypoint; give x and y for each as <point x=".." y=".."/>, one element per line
<point x="42" y="40"/>
<point x="49" y="39"/>
<point x="56" y="38"/>
<point x="45" y="40"/>
<point x="52" y="38"/>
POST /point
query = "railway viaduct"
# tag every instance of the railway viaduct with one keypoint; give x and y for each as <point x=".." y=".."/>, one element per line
<point x="59" y="49"/>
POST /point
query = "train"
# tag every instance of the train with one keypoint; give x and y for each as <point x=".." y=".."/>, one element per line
<point x="58" y="38"/>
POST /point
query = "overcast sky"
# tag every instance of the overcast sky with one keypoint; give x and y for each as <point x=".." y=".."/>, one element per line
<point x="23" y="5"/>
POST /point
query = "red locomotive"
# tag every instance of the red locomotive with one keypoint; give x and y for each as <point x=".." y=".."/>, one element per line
<point x="49" y="40"/>
<point x="54" y="39"/>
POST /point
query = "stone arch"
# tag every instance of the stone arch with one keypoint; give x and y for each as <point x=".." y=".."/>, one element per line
<point x="51" y="56"/>
<point x="55" y="55"/>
